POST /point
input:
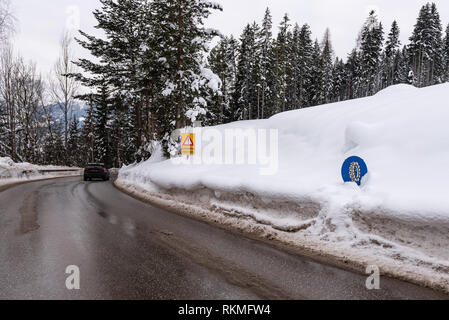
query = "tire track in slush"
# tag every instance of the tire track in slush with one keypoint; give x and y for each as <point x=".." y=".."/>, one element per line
<point x="28" y="214"/>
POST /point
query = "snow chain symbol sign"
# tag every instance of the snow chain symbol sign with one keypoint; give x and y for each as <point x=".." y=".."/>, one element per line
<point x="353" y="170"/>
<point x="188" y="144"/>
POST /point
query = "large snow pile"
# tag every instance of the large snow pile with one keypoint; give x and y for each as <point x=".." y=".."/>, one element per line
<point x="12" y="172"/>
<point x="403" y="135"/>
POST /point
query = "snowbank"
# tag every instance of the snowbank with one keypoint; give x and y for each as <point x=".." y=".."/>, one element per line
<point x="400" y="212"/>
<point x="12" y="172"/>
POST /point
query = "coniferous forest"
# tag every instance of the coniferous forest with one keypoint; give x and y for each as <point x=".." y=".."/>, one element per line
<point x="153" y="71"/>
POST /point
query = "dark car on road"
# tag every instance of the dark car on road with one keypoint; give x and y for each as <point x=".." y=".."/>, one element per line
<point x="96" y="171"/>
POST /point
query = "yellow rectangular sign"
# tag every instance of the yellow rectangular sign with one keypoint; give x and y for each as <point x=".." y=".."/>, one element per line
<point x="188" y="144"/>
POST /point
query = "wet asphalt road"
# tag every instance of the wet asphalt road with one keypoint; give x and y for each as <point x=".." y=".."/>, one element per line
<point x="126" y="249"/>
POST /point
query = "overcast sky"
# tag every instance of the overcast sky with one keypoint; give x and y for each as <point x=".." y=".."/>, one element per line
<point x="41" y="23"/>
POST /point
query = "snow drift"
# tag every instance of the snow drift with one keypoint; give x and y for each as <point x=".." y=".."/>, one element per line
<point x="12" y="172"/>
<point x="401" y="211"/>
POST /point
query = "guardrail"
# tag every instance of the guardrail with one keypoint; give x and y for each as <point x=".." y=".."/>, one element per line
<point x="59" y="170"/>
<point x="28" y="172"/>
<point x="13" y="174"/>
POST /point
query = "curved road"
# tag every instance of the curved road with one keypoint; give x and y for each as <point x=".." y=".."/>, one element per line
<point x="126" y="249"/>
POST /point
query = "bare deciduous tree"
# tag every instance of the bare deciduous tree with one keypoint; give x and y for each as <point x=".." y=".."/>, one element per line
<point x="21" y="110"/>
<point x="7" y="89"/>
<point x="7" y="20"/>
<point x="64" y="88"/>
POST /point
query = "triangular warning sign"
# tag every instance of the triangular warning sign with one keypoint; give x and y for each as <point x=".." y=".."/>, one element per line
<point x="188" y="142"/>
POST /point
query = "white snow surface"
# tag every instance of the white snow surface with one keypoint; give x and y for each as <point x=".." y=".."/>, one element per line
<point x="12" y="172"/>
<point x="403" y="135"/>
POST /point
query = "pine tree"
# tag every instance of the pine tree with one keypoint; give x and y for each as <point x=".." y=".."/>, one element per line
<point x="101" y="120"/>
<point x="316" y="77"/>
<point x="219" y="64"/>
<point x="327" y="59"/>
<point x="338" y="81"/>
<point x="182" y="43"/>
<point x="437" y="65"/>
<point x="418" y="47"/>
<point x="121" y="143"/>
<point x="229" y="88"/>
<point x="392" y="56"/>
<point x="393" y="42"/>
<point x="73" y="145"/>
<point x="87" y="137"/>
<point x="401" y="68"/>
<point x="223" y="62"/>
<point x="293" y="71"/>
<point x="54" y="150"/>
<point x="304" y="65"/>
<point x="256" y="76"/>
<point x="446" y="54"/>
<point x="126" y="60"/>
<point x="265" y="45"/>
<point x="281" y="66"/>
<point x="371" y="50"/>
<point x="246" y="89"/>
<point x="152" y="62"/>
<point x="354" y="75"/>
<point x="426" y="47"/>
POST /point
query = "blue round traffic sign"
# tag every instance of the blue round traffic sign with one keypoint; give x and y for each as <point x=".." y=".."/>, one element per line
<point x="353" y="170"/>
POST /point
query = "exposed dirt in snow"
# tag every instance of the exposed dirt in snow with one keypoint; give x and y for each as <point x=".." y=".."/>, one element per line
<point x="431" y="239"/>
<point x="407" y="250"/>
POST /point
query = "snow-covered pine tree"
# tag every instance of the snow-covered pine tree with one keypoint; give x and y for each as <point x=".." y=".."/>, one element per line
<point x="246" y="89"/>
<point x="256" y="76"/>
<point x="426" y="47"/>
<point x="371" y="44"/>
<point x="231" y="57"/>
<point x="265" y="44"/>
<point x="125" y="59"/>
<point x="316" y="76"/>
<point x="281" y="65"/>
<point x="293" y="71"/>
<point x="354" y="75"/>
<point x="73" y="145"/>
<point x="419" y="50"/>
<point x="392" y="55"/>
<point x="446" y="54"/>
<point x="393" y="42"/>
<point x="182" y="44"/>
<point x="87" y="137"/>
<point x="217" y="62"/>
<point x="339" y="81"/>
<point x="400" y="66"/>
<point x="437" y="64"/>
<point x="101" y="119"/>
<point x="54" y="150"/>
<point x="304" y="64"/>
<point x="121" y="124"/>
<point x="222" y="61"/>
<point x="327" y="66"/>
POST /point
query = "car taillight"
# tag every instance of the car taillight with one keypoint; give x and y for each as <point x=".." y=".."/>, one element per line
<point x="102" y="169"/>
<point x="85" y="169"/>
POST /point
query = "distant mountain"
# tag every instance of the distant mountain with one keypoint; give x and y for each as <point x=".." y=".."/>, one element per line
<point x="79" y="110"/>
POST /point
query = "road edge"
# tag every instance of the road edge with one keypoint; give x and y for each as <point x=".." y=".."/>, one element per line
<point x="263" y="233"/>
<point x="17" y="183"/>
